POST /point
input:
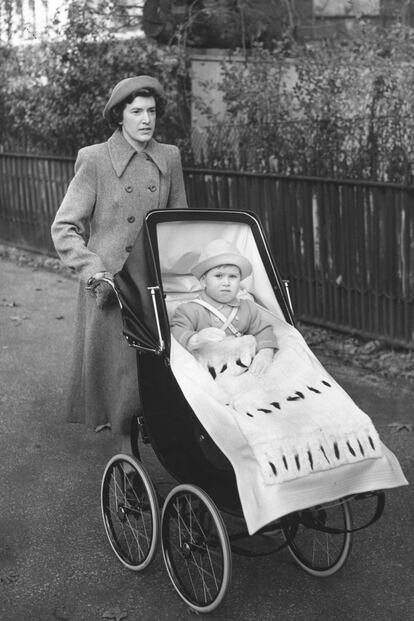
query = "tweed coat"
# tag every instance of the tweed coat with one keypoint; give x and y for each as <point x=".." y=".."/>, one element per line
<point x="94" y="230"/>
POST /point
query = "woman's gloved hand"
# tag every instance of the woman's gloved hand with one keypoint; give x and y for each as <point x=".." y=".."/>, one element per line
<point x="104" y="292"/>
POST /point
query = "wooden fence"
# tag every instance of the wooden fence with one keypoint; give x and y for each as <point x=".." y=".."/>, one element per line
<point x="31" y="189"/>
<point x="346" y="247"/>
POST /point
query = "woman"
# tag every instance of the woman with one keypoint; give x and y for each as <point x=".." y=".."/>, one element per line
<point x="115" y="184"/>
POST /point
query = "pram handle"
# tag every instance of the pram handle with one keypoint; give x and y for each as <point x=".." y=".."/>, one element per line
<point x="160" y="348"/>
<point x="94" y="282"/>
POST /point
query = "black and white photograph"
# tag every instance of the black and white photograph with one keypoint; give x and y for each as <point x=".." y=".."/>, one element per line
<point x="206" y="310"/>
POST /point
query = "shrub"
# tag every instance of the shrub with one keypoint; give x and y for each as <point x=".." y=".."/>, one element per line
<point x="54" y="93"/>
<point x="338" y="108"/>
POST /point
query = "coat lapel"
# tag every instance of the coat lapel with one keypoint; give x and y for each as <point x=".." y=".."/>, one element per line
<point x="121" y="153"/>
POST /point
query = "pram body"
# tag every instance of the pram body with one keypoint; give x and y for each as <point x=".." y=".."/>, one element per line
<point x="193" y="535"/>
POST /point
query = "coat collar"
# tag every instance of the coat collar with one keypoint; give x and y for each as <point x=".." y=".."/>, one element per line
<point x="121" y="153"/>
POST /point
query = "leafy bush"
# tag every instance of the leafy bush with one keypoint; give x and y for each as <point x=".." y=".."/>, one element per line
<point x="338" y="108"/>
<point x="53" y="94"/>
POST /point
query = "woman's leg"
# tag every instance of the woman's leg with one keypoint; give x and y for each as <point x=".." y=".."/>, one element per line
<point x="126" y="446"/>
<point x="128" y="433"/>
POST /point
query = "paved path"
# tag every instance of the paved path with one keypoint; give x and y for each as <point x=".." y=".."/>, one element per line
<point x="55" y="562"/>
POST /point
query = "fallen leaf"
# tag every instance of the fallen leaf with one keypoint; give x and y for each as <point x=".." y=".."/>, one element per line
<point x="62" y="613"/>
<point x="102" y="427"/>
<point x="6" y="577"/>
<point x="115" y="613"/>
<point x="401" y="427"/>
<point x="9" y="304"/>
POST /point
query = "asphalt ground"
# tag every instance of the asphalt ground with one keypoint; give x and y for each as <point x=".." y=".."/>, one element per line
<point x="55" y="560"/>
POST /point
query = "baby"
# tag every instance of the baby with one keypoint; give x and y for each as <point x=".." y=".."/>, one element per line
<point x="218" y="312"/>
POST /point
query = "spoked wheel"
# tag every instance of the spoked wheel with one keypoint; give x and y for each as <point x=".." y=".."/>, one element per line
<point x="317" y="551"/>
<point x="130" y="511"/>
<point x="195" y="547"/>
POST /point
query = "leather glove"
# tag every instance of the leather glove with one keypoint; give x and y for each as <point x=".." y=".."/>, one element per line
<point x="105" y="295"/>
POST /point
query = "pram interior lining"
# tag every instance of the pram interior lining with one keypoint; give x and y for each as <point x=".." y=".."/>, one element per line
<point x="179" y="244"/>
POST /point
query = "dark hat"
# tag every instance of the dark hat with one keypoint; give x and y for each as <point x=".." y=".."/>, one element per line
<point x="221" y="252"/>
<point x="125" y="87"/>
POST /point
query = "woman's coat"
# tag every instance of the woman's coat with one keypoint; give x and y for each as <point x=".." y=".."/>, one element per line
<point x="112" y="190"/>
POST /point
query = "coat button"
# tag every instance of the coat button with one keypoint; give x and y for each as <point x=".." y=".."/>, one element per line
<point x="131" y="218"/>
<point x="128" y="248"/>
<point x="128" y="188"/>
<point x="152" y="187"/>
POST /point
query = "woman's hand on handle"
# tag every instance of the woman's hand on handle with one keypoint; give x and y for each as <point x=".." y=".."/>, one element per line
<point x="101" y="285"/>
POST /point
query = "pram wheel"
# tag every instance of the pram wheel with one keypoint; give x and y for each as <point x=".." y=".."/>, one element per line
<point x="130" y="511"/>
<point x="318" y="551"/>
<point x="195" y="547"/>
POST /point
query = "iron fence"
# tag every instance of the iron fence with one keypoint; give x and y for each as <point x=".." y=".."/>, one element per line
<point x="347" y="247"/>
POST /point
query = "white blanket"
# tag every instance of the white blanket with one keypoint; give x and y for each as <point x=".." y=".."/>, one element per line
<point x="295" y="417"/>
<point x="264" y="495"/>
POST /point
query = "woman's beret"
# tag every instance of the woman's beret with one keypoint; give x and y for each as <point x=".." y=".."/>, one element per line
<point x="125" y="87"/>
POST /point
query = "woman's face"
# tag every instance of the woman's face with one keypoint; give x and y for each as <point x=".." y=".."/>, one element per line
<point x="138" y="121"/>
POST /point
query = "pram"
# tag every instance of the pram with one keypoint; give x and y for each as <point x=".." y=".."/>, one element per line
<point x="214" y="479"/>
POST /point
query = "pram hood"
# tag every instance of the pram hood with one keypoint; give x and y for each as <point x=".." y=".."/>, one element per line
<point x="170" y="233"/>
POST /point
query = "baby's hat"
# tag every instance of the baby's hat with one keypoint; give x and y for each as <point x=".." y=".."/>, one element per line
<point x="221" y="252"/>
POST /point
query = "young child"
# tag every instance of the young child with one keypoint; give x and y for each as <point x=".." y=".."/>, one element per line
<point x="218" y="312"/>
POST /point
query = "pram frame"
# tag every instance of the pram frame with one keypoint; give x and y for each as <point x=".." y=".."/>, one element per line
<point x="156" y="410"/>
<point x="169" y="425"/>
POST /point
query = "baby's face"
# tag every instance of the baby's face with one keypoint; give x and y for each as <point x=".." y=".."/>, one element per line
<point x="222" y="283"/>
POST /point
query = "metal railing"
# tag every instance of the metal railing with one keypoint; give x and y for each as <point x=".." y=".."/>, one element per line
<point x="347" y="247"/>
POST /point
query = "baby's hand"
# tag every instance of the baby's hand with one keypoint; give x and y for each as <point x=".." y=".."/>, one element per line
<point x="261" y="361"/>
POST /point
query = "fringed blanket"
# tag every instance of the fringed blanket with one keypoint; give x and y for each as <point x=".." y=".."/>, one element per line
<point x="263" y="503"/>
<point x="295" y="417"/>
